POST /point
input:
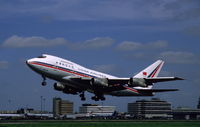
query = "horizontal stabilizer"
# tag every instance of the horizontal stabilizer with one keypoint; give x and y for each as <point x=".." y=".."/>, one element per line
<point x="157" y="90"/>
<point x="162" y="79"/>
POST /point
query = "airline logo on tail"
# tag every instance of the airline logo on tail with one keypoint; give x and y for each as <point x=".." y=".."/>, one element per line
<point x="145" y="73"/>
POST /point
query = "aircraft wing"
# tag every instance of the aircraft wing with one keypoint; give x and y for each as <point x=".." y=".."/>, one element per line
<point x="110" y="80"/>
<point x="157" y="90"/>
<point x="114" y="81"/>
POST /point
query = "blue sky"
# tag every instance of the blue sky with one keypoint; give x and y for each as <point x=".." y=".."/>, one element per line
<point x="113" y="36"/>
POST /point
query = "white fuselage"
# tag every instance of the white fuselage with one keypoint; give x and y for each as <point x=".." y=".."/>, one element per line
<point x="64" y="67"/>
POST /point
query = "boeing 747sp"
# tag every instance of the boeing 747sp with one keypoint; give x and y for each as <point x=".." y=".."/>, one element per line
<point x="72" y="78"/>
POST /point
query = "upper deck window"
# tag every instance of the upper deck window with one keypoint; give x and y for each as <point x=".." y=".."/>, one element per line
<point x="41" y="56"/>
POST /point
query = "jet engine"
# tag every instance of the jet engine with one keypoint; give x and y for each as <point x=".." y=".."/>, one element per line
<point x="59" y="86"/>
<point x="134" y="82"/>
<point x="102" y="82"/>
<point x="65" y="89"/>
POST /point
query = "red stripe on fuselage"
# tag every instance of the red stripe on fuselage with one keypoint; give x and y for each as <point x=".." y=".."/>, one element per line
<point x="60" y="69"/>
<point x="131" y="89"/>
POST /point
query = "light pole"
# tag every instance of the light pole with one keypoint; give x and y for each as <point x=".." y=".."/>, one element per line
<point x="9" y="104"/>
<point x="41" y="97"/>
<point x="44" y="104"/>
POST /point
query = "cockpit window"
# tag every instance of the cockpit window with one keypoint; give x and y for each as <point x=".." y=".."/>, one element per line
<point x="41" y="56"/>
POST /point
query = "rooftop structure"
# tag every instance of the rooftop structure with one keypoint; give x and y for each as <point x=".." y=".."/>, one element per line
<point x="150" y="109"/>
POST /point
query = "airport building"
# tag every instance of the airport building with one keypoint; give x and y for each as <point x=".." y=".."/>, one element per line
<point x="8" y="112"/>
<point x="150" y="109"/>
<point x="62" y="107"/>
<point x="97" y="110"/>
<point x="186" y="114"/>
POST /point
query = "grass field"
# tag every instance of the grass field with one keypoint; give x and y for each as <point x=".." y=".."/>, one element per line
<point x="103" y="124"/>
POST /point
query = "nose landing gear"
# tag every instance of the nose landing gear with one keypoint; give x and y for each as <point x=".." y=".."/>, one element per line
<point x="44" y="83"/>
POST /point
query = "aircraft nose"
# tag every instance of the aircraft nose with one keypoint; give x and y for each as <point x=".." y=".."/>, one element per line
<point x="28" y="62"/>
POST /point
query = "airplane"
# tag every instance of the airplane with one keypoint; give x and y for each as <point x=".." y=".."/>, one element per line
<point x="75" y="79"/>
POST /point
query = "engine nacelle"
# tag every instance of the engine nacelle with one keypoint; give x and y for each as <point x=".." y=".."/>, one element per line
<point x="70" y="90"/>
<point x="59" y="86"/>
<point x="102" y="82"/>
<point x="134" y="82"/>
<point x="65" y="89"/>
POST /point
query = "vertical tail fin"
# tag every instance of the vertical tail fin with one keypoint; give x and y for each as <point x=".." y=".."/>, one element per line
<point x="151" y="71"/>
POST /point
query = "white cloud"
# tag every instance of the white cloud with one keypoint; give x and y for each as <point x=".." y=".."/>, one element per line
<point x="129" y="46"/>
<point x="174" y="57"/>
<point x="96" y="43"/>
<point x="157" y="44"/>
<point x="132" y="46"/>
<point x="34" y="41"/>
<point x="37" y="41"/>
<point x="3" y="64"/>
<point x="180" y="57"/>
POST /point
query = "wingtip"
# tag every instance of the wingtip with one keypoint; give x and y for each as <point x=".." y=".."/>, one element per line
<point x="178" y="78"/>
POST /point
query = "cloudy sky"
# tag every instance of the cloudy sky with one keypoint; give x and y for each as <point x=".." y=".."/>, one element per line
<point x="119" y="37"/>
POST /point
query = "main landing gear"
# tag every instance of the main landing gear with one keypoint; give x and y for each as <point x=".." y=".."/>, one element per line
<point x="97" y="98"/>
<point x="82" y="95"/>
<point x="44" y="83"/>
